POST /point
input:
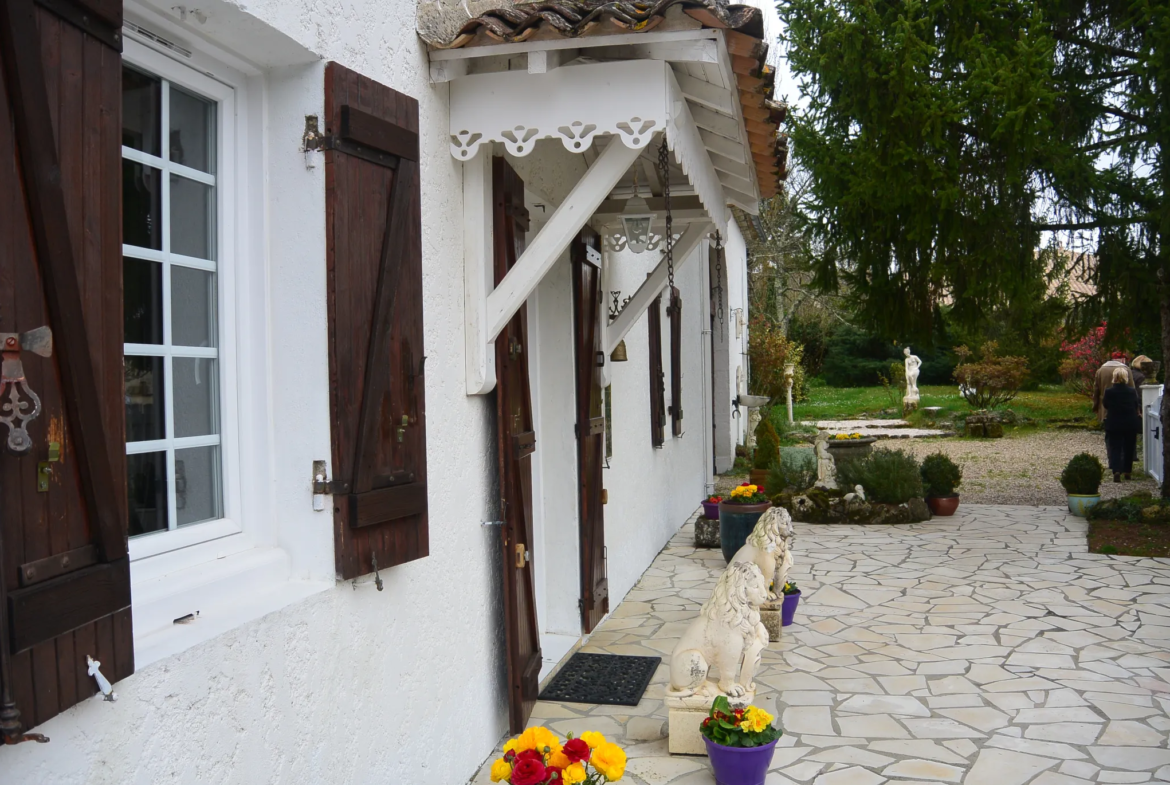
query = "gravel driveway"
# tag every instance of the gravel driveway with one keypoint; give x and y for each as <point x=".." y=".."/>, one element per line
<point x="1023" y="469"/>
<point x="1020" y="469"/>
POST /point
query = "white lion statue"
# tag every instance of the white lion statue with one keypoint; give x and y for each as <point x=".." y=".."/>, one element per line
<point x="769" y="547"/>
<point x="727" y="635"/>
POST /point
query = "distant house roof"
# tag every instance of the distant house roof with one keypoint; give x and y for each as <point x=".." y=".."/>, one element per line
<point x="444" y="24"/>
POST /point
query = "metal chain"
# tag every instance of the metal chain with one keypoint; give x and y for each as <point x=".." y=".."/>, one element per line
<point x="664" y="173"/>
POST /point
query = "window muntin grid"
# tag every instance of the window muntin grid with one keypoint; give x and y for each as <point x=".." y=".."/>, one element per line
<point x="171" y="296"/>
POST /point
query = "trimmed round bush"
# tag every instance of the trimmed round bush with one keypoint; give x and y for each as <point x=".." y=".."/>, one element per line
<point x="1082" y="476"/>
<point x="940" y="475"/>
<point x="888" y="476"/>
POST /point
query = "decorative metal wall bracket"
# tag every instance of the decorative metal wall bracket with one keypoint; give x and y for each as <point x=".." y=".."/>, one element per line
<point x="15" y="395"/>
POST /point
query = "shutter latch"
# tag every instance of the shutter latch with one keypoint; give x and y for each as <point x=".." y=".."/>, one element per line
<point x="13" y="405"/>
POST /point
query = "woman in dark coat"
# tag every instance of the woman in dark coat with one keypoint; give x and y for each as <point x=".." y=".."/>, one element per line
<point x="1123" y="422"/>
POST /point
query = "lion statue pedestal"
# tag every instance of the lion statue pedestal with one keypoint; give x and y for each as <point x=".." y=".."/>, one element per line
<point x="727" y="636"/>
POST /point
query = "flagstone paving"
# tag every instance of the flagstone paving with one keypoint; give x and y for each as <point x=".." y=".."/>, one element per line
<point x="984" y="649"/>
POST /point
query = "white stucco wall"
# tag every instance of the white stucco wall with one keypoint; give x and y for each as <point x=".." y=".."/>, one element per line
<point x="340" y="687"/>
<point x="346" y="683"/>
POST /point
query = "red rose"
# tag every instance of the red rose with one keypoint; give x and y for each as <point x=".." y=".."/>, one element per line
<point x="528" y="771"/>
<point x="576" y="750"/>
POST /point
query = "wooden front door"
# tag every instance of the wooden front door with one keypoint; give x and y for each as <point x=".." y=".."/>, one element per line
<point x="586" y="259"/>
<point x="64" y="570"/>
<point x="517" y="443"/>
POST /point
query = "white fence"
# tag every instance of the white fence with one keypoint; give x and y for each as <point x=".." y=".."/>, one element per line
<point x="1152" y="439"/>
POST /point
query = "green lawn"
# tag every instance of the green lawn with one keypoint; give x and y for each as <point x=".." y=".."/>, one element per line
<point x="1050" y="404"/>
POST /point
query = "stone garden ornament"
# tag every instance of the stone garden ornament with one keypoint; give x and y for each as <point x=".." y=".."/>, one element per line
<point x="727" y="636"/>
<point x="913" y="363"/>
<point x="769" y="548"/>
<point x="826" y="466"/>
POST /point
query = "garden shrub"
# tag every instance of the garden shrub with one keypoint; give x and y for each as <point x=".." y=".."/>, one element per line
<point x="769" y="352"/>
<point x="1082" y="476"/>
<point x="888" y="476"/>
<point x="767" y="446"/>
<point x="795" y="471"/>
<point x="940" y="475"/>
<point x="992" y="381"/>
<point x="854" y="358"/>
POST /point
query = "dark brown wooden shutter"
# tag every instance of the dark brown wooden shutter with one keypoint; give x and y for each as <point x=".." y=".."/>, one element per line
<point x="674" y="314"/>
<point x="64" y="570"/>
<point x="376" y="360"/>
<point x="516" y="446"/>
<point x="589" y="357"/>
<point x="657" y="378"/>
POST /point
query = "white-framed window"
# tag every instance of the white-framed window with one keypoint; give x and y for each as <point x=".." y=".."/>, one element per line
<point x="178" y="161"/>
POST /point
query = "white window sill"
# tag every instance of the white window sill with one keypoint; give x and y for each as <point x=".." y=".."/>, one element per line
<point x="224" y="593"/>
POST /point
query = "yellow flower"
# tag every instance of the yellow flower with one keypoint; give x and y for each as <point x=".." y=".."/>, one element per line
<point x="755" y="720"/>
<point x="610" y="760"/>
<point x="573" y="774"/>
<point x="538" y="739"/>
<point x="559" y="759"/>
<point x="512" y="745"/>
<point x="501" y="770"/>
<point x="592" y="738"/>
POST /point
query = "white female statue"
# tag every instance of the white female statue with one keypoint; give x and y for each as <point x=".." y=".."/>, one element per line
<point x="910" y="400"/>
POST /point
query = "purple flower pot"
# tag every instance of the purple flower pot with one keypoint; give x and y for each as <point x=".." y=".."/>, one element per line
<point x="788" y="611"/>
<point x="739" y="765"/>
<point x="711" y="510"/>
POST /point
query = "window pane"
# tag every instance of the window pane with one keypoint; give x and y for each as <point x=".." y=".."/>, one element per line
<point x="197" y="492"/>
<point x="141" y="205"/>
<point x="141" y="114"/>
<point x="193" y="301"/>
<point x="142" y="300"/>
<point x="192" y="131"/>
<point x="196" y="391"/>
<point x="145" y="403"/>
<point x="146" y="481"/>
<point x="192" y="218"/>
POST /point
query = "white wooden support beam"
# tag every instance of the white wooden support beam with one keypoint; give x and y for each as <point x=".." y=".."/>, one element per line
<point x="446" y="70"/>
<point x="654" y="283"/>
<point x="562" y="226"/>
<point x="541" y="61"/>
<point x="478" y="274"/>
<point x="698" y="51"/>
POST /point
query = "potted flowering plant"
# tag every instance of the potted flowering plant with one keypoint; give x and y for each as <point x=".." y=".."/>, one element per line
<point x="738" y="514"/>
<point x="739" y="742"/>
<point x="791" y="600"/>
<point x="537" y="757"/>
<point x="711" y="507"/>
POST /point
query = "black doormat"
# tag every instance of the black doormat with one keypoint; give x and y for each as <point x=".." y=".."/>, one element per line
<point x="612" y="679"/>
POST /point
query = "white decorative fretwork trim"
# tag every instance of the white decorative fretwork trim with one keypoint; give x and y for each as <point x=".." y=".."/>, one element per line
<point x="633" y="100"/>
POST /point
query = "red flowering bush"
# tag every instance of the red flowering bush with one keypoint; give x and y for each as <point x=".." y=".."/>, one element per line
<point x="991" y="381"/>
<point x="1082" y="358"/>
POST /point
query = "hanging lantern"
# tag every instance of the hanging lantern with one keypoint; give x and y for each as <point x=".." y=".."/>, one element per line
<point x="619" y="353"/>
<point x="636" y="220"/>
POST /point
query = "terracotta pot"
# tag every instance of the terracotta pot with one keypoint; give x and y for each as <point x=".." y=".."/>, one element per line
<point x="943" y="505"/>
<point x="736" y="522"/>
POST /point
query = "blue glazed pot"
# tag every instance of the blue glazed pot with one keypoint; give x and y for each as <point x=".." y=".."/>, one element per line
<point x="1079" y="503"/>
<point x="736" y="522"/>
<point x="740" y="765"/>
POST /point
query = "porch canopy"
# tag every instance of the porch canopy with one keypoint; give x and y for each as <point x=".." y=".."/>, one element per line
<point x="609" y="80"/>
